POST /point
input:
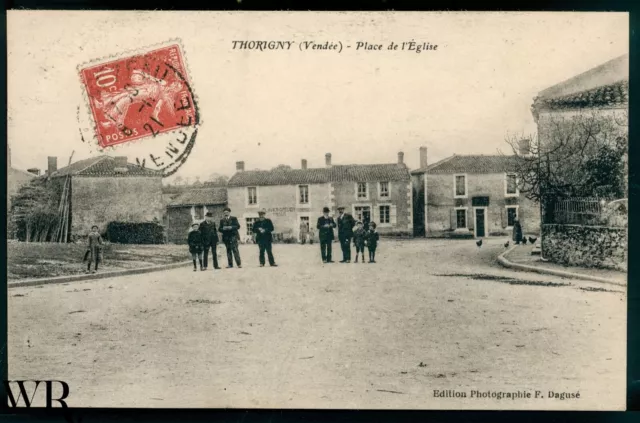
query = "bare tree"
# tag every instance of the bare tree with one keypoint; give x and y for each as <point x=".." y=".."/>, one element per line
<point x="282" y="167"/>
<point x="581" y="155"/>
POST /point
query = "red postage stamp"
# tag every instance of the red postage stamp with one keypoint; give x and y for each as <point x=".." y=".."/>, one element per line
<point x="140" y="96"/>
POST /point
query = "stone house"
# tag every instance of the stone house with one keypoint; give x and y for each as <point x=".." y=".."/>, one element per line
<point x="601" y="93"/>
<point x="191" y="206"/>
<point x="471" y="195"/>
<point x="371" y="192"/>
<point x="105" y="189"/>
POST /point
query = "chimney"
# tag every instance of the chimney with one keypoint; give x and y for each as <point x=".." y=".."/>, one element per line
<point x="239" y="166"/>
<point x="327" y="159"/>
<point x="400" y="157"/>
<point x="303" y="165"/>
<point x="423" y="157"/>
<point x="34" y="170"/>
<point x="524" y="147"/>
<point x="52" y="165"/>
<point x="120" y="164"/>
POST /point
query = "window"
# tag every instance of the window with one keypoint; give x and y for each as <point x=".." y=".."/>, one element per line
<point x="384" y="189"/>
<point x="303" y="191"/>
<point x="385" y="214"/>
<point x="362" y="193"/>
<point x="460" y="185"/>
<point x="512" y="215"/>
<point x="511" y="187"/>
<point x="252" y="196"/>
<point x="249" y="225"/>
<point x="461" y="219"/>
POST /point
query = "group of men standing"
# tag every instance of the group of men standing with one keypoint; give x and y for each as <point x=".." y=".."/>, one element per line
<point x="325" y="227"/>
<point x="204" y="237"/>
<point x="228" y="227"/>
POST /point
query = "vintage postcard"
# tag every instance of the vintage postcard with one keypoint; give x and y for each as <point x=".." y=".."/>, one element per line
<point x="375" y="210"/>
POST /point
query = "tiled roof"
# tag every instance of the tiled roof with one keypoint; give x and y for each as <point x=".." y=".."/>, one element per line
<point x="200" y="197"/>
<point x="472" y="164"/>
<point x="606" y="96"/>
<point x="608" y="73"/>
<point x="337" y="173"/>
<point x="103" y="166"/>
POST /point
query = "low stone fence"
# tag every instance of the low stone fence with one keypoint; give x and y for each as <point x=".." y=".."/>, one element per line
<point x="587" y="246"/>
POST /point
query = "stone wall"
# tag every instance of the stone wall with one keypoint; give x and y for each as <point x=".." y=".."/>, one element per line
<point x="100" y="200"/>
<point x="587" y="246"/>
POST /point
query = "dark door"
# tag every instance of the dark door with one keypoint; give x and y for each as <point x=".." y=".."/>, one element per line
<point x="480" y="223"/>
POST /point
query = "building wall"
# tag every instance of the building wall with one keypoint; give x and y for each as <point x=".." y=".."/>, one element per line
<point x="100" y="200"/>
<point x="549" y="121"/>
<point x="281" y="203"/>
<point x="400" y="200"/>
<point x="180" y="219"/>
<point x="441" y="205"/>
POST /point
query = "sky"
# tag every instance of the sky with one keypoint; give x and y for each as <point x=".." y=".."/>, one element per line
<point x="278" y="107"/>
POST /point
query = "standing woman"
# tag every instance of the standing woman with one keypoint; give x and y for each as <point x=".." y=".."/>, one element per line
<point x="517" y="231"/>
<point x="94" y="249"/>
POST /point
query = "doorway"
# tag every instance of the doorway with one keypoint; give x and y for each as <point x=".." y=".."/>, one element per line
<point x="480" y="227"/>
<point x="363" y="214"/>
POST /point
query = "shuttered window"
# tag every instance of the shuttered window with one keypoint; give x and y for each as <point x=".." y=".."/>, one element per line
<point x="385" y="214"/>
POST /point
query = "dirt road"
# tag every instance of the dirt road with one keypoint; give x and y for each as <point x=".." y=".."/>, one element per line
<point x="430" y="315"/>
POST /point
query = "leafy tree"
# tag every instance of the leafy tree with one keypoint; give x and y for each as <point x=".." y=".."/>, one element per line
<point x="217" y="180"/>
<point x="282" y="167"/>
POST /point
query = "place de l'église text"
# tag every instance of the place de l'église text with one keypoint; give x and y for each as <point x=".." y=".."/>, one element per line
<point x="335" y="46"/>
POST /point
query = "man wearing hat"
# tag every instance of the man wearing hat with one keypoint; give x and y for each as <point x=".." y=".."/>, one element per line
<point x="325" y="233"/>
<point x="263" y="228"/>
<point x="210" y="239"/>
<point x="229" y="226"/>
<point x="345" y="233"/>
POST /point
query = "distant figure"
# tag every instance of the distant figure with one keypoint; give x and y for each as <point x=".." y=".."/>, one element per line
<point x="229" y="226"/>
<point x="372" y="241"/>
<point x="325" y="233"/>
<point x="359" y="237"/>
<point x="263" y="228"/>
<point x="517" y="231"/>
<point x="345" y="233"/>
<point x="210" y="240"/>
<point x="312" y="234"/>
<point x="304" y="231"/>
<point x="94" y="249"/>
<point x="196" y="245"/>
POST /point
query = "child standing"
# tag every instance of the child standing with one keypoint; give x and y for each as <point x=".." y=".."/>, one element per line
<point x="372" y="242"/>
<point x="359" y="237"/>
<point x="196" y="245"/>
<point x="93" y="249"/>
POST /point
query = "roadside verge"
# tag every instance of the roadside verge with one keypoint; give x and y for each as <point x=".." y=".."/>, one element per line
<point x="92" y="276"/>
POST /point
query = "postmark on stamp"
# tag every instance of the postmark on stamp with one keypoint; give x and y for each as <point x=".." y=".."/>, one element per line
<point x="143" y="95"/>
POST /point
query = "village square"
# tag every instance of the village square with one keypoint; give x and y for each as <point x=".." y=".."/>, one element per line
<point x="435" y="308"/>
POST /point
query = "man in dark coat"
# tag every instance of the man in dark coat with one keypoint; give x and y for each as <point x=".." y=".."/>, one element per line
<point x="263" y="228"/>
<point x="346" y="223"/>
<point x="325" y="233"/>
<point x="210" y="240"/>
<point x="229" y="226"/>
